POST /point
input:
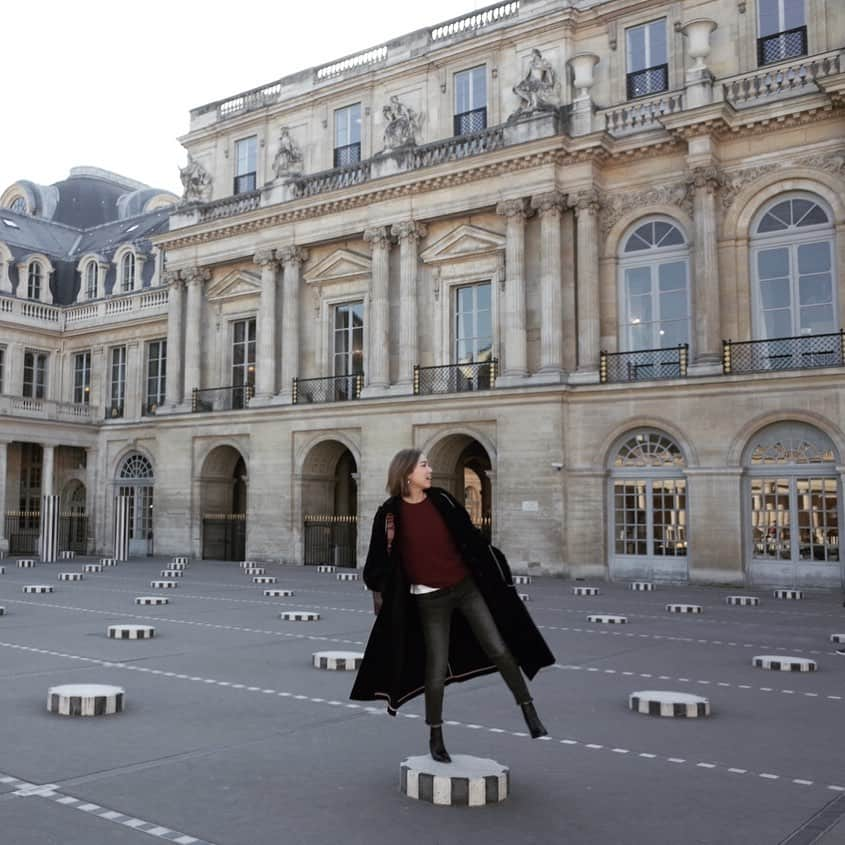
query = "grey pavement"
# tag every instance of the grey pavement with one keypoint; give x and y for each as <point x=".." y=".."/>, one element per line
<point x="230" y="737"/>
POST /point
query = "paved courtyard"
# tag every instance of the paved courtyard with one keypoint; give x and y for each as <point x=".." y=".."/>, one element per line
<point x="230" y="737"/>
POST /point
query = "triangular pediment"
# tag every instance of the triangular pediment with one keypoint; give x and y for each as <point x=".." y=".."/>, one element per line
<point x="235" y="284"/>
<point x="465" y="241"/>
<point x="342" y="265"/>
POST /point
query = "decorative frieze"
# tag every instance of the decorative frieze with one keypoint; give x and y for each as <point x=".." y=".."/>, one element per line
<point x="614" y="206"/>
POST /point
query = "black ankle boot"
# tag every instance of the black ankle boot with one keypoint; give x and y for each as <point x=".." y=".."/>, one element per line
<point x="535" y="726"/>
<point x="436" y="746"/>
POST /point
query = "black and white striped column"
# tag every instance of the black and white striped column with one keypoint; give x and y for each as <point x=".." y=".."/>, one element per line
<point x="121" y="527"/>
<point x="48" y="542"/>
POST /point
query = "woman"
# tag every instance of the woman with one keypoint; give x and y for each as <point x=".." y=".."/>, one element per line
<point x="427" y="560"/>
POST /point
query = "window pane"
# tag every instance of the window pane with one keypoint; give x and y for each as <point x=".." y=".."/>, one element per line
<point x="778" y="323"/>
<point x="814" y="258"/>
<point x="673" y="333"/>
<point x="638" y="280"/>
<point x="483" y="296"/>
<point x="464" y="300"/>
<point x="773" y="263"/>
<point x="815" y="290"/>
<point x="636" y="49"/>
<point x="793" y="11"/>
<point x="776" y="218"/>
<point x="461" y="92"/>
<point x="774" y="293"/>
<point x="672" y="276"/>
<point x="245" y="156"/>
<point x="484" y="325"/>
<point x="817" y="319"/>
<point x="769" y="17"/>
<point x="657" y="37"/>
<point x="673" y="306"/>
<point x="815" y="216"/>
<point x="478" y="97"/>
<point x="355" y="124"/>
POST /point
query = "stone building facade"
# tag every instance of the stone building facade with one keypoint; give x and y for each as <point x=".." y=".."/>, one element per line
<point x="589" y="256"/>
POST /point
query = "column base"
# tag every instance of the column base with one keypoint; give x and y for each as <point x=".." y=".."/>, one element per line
<point x="271" y="399"/>
<point x="166" y="410"/>
<point x="705" y="368"/>
<point x="375" y="391"/>
<point x="584" y="377"/>
<point x="511" y="379"/>
<point x="552" y="375"/>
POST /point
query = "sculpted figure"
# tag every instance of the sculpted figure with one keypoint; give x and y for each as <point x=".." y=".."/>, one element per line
<point x="403" y="124"/>
<point x="537" y="91"/>
<point x="288" y="155"/>
<point x="196" y="182"/>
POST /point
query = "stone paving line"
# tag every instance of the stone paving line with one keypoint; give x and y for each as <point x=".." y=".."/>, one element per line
<point x="721" y="684"/>
<point x="24" y="789"/>
<point x="185" y="622"/>
<point x="376" y="711"/>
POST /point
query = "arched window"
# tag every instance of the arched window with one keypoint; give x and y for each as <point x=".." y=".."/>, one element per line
<point x="92" y="285"/>
<point x="793" y="505"/>
<point x="33" y="282"/>
<point x="654" y="287"/>
<point x="792" y="249"/>
<point x="648" y="526"/>
<point x="127" y="272"/>
<point x="19" y="206"/>
<point x="136" y="466"/>
<point x="135" y="479"/>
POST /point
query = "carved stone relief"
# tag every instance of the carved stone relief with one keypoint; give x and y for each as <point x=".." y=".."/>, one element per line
<point x="196" y="182"/>
<point x="537" y="92"/>
<point x="288" y="158"/>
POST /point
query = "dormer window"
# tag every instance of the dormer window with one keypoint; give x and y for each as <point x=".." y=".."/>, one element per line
<point x="127" y="272"/>
<point x="34" y="279"/>
<point x="92" y="283"/>
<point x="19" y="206"/>
<point x="245" y="165"/>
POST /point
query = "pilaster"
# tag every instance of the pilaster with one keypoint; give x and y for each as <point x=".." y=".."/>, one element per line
<point x="515" y="350"/>
<point x="292" y="258"/>
<point x="409" y="233"/>
<point x="195" y="278"/>
<point x="376" y="369"/>
<point x="586" y="205"/>
<point x="175" y="333"/>
<point x="265" y="382"/>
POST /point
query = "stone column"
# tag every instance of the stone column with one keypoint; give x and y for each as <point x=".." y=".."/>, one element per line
<point x="586" y="205"/>
<point x="175" y="331"/>
<point x="377" y="367"/>
<point x="409" y="233"/>
<point x="4" y="540"/>
<point x="549" y="206"/>
<point x="705" y="182"/>
<point x="516" y="337"/>
<point x="47" y="461"/>
<point x="195" y="277"/>
<point x="265" y="380"/>
<point x="133" y="398"/>
<point x="292" y="258"/>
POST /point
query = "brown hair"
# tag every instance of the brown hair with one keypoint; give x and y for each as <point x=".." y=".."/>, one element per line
<point x="401" y="467"/>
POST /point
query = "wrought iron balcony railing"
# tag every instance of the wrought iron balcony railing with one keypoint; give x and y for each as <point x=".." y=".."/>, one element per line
<point x="644" y="364"/>
<point x="782" y="45"/>
<point x="232" y="398"/>
<point x="348" y="154"/>
<point x="327" y="389"/>
<point x="470" y="122"/>
<point x="650" y="80"/>
<point x="455" y="378"/>
<point x="244" y="184"/>
<point x="784" y="353"/>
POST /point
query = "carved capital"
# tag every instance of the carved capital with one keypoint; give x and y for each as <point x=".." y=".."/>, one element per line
<point x="264" y="257"/>
<point x="551" y="203"/>
<point x="196" y="275"/>
<point x="171" y="278"/>
<point x="513" y="208"/>
<point x="708" y="178"/>
<point x="585" y="202"/>
<point x="292" y="255"/>
<point x="378" y="237"/>
<point x="409" y="230"/>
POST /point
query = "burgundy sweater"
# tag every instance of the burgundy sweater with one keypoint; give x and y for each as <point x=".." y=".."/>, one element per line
<point x="429" y="555"/>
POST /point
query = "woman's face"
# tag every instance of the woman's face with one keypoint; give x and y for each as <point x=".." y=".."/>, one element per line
<point x="420" y="478"/>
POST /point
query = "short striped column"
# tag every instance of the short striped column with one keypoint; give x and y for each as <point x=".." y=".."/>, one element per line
<point x="781" y="663"/>
<point x="789" y="595"/>
<point x="180" y="559"/>
<point x="524" y="596"/>
<point x="121" y="527"/>
<point x="743" y="601"/>
<point x="164" y="585"/>
<point x="278" y="594"/>
<point x="26" y="563"/>
<point x="337" y="661"/>
<point x="85" y="700"/>
<point x="92" y="568"/>
<point x="325" y="568"/>
<point x="521" y="579"/>
<point x="642" y="586"/>
<point x="131" y="632"/>
<point x="347" y="576"/>
<point x="465" y="782"/>
<point x="254" y="570"/>
<point x="670" y="704"/>
<point x="151" y="600"/>
<point x="683" y="608"/>
<point x="38" y="588"/>
<point x="48" y="540"/>
<point x="585" y="591"/>
<point x="607" y="619"/>
<point x="70" y="576"/>
<point x="172" y="573"/>
<point x="299" y="616"/>
<point x="264" y="579"/>
<point x="67" y="555"/>
<point x="108" y="561"/>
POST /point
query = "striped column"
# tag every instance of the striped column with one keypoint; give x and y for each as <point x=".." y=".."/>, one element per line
<point x="121" y="527"/>
<point x="48" y="541"/>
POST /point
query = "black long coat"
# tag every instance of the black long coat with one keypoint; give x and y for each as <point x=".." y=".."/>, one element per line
<point x="394" y="660"/>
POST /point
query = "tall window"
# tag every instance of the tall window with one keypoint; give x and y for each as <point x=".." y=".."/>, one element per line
<point x="782" y="30"/>
<point x="34" y="374"/>
<point x="655" y="290"/>
<point x="117" y="381"/>
<point x="156" y="375"/>
<point x="348" y="348"/>
<point x="92" y="285"/>
<point x="243" y="361"/>
<point x="127" y="273"/>
<point x="347" y="135"/>
<point x="647" y="59"/>
<point x="245" y="165"/>
<point x="470" y="100"/>
<point x="34" y="276"/>
<point x="2" y="368"/>
<point x="82" y="378"/>
<point x="792" y="259"/>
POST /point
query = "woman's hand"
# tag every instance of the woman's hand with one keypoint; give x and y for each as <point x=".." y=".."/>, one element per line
<point x="377" y="602"/>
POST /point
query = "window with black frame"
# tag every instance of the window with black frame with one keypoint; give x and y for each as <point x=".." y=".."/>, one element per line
<point x="117" y="382"/>
<point x="2" y="369"/>
<point x="34" y="277"/>
<point x="470" y="100"/>
<point x="245" y="165"/>
<point x="473" y="337"/>
<point x="156" y="375"/>
<point x="82" y="378"/>
<point x="243" y="362"/>
<point x="348" y="348"/>
<point x="782" y="30"/>
<point x="34" y="374"/>
<point x="646" y="59"/>
<point x="347" y="135"/>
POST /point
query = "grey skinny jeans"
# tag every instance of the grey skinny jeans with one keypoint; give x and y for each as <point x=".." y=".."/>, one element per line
<point x="435" y="611"/>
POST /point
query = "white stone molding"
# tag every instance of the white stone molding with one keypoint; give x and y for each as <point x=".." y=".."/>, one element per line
<point x="465" y="242"/>
<point x="409" y="233"/>
<point x="236" y="284"/>
<point x="376" y="371"/>
<point x="342" y="265"/>
<point x="292" y="258"/>
<point x="616" y="205"/>
<point x="698" y="79"/>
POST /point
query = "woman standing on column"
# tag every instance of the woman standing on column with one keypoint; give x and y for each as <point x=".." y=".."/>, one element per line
<point x="426" y="561"/>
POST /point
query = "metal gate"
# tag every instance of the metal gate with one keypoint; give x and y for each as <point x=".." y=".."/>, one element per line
<point x="331" y="539"/>
<point x="224" y="536"/>
<point x="73" y="532"/>
<point x="22" y="530"/>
